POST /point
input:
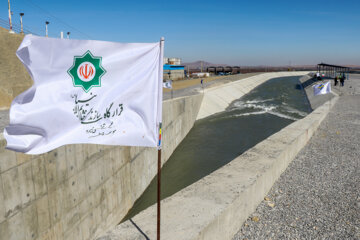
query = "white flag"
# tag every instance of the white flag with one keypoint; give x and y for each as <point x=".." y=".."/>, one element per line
<point x="167" y="84"/>
<point x="322" y="88"/>
<point x="87" y="92"/>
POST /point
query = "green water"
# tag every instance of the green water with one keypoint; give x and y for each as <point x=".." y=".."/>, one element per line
<point x="218" y="139"/>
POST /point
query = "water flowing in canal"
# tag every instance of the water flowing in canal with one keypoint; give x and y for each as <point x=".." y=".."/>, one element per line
<point x="218" y="139"/>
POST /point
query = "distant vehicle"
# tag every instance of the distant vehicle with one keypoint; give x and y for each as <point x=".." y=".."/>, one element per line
<point x="221" y="74"/>
<point x="201" y="74"/>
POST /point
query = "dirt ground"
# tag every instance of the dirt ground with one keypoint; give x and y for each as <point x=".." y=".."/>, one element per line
<point x="14" y="78"/>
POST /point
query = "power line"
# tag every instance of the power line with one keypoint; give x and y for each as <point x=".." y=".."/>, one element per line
<point x="5" y="24"/>
<point x="61" y="21"/>
<point x="37" y="29"/>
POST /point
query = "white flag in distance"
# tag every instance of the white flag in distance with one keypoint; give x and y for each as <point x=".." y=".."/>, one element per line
<point x="87" y="92"/>
<point x="167" y="84"/>
<point x="322" y="88"/>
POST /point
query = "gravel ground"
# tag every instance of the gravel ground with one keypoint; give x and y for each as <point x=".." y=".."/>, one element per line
<point x="318" y="196"/>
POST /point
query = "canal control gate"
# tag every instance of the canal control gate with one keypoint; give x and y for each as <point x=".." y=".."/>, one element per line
<point x="332" y="70"/>
<point x="223" y="69"/>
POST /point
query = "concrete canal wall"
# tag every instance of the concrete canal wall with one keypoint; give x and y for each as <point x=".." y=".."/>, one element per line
<point x="216" y="206"/>
<point x="78" y="191"/>
<point x="218" y="98"/>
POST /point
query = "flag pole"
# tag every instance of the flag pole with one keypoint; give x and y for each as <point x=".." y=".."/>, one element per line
<point x="158" y="194"/>
<point x="162" y="39"/>
<point x="172" y="94"/>
<point x="159" y="186"/>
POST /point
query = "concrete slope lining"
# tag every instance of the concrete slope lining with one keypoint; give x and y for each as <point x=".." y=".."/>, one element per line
<point x="78" y="182"/>
<point x="80" y="191"/>
<point x="216" y="206"/>
<point x="218" y="98"/>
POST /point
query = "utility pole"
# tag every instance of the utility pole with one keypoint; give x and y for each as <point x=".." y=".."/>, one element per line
<point x="21" y="23"/>
<point x="201" y="66"/>
<point x="10" y="23"/>
<point x="46" y="28"/>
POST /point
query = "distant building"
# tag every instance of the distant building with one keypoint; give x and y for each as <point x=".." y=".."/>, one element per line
<point x="172" y="61"/>
<point x="174" y="72"/>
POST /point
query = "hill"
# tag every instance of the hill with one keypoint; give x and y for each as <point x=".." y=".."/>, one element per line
<point x="197" y="65"/>
<point x="14" y="78"/>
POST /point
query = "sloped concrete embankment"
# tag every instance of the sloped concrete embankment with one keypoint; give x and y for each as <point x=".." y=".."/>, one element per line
<point x="79" y="191"/>
<point x="218" y="98"/>
<point x="315" y="101"/>
<point x="216" y="206"/>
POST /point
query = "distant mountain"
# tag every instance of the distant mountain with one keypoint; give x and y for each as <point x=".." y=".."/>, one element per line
<point x="197" y="65"/>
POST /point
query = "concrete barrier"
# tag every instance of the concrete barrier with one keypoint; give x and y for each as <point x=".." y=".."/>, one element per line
<point x="79" y="191"/>
<point x="216" y="206"/>
<point x="218" y="98"/>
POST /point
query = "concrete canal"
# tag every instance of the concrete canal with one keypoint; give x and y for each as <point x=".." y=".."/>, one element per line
<point x="218" y="139"/>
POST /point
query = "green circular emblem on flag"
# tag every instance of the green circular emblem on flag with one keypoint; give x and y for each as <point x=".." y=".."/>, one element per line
<point x="86" y="71"/>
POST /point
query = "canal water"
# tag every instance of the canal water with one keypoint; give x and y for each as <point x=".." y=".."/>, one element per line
<point x="218" y="139"/>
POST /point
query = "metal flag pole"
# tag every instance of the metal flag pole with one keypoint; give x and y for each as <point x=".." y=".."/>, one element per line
<point x="202" y="84"/>
<point x="159" y="156"/>
<point x="159" y="187"/>
<point x="172" y="93"/>
<point x="158" y="195"/>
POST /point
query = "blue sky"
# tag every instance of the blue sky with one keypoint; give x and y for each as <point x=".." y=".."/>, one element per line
<point x="230" y="32"/>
